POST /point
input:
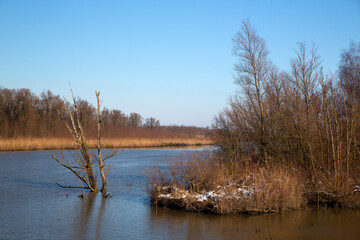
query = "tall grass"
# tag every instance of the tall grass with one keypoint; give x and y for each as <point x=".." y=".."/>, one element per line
<point x="26" y="144"/>
<point x="201" y="182"/>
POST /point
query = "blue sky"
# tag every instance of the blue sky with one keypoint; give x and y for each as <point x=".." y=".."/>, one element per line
<point x="171" y="60"/>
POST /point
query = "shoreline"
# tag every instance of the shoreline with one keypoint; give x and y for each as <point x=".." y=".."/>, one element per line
<point x="39" y="144"/>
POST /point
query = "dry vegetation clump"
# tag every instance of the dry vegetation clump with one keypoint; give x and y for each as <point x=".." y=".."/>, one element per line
<point x="202" y="183"/>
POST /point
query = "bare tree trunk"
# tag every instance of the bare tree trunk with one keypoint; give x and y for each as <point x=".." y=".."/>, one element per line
<point x="100" y="160"/>
<point x="99" y="157"/>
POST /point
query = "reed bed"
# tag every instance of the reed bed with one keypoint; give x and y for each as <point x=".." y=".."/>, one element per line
<point x="28" y="144"/>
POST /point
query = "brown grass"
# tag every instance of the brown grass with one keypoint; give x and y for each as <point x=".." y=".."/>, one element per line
<point x="201" y="183"/>
<point x="27" y="144"/>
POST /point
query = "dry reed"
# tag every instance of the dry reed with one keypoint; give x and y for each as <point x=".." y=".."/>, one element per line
<point x="27" y="144"/>
<point x="201" y="183"/>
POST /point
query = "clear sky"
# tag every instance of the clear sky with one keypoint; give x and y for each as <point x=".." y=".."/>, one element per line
<point x="171" y="60"/>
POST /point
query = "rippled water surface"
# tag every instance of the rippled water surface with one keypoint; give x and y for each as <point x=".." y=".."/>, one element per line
<point x="32" y="206"/>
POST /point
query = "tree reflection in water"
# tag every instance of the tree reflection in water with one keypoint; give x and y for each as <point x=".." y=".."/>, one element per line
<point x="90" y="217"/>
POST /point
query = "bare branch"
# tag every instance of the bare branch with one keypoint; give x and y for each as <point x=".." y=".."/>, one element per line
<point x="62" y="186"/>
<point x="72" y="170"/>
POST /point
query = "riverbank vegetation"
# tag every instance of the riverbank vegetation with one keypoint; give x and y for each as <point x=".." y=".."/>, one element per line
<point x="285" y="140"/>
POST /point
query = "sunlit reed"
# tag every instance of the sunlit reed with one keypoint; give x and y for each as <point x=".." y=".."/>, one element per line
<point x="26" y="144"/>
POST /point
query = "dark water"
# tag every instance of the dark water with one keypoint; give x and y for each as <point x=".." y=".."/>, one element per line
<point x="32" y="206"/>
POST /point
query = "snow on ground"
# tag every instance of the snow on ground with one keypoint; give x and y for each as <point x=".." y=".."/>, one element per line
<point x="228" y="191"/>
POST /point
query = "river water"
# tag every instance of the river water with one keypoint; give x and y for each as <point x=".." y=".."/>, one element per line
<point x="32" y="206"/>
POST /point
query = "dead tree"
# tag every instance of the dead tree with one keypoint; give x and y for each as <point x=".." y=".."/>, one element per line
<point x="81" y="163"/>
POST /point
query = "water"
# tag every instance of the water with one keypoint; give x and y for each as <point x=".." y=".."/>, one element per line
<point x="32" y="206"/>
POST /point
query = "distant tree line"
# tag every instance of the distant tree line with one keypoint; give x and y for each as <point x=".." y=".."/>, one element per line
<point x="24" y="114"/>
<point x="304" y="118"/>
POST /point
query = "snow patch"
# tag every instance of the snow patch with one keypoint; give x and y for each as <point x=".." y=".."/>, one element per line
<point x="229" y="191"/>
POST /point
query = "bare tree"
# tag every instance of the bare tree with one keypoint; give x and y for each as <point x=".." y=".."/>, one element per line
<point x="117" y="118"/>
<point x="349" y="70"/>
<point x="48" y="107"/>
<point x="81" y="164"/>
<point x="306" y="70"/>
<point x="306" y="73"/>
<point x="151" y="123"/>
<point x="135" y="120"/>
<point x="252" y="74"/>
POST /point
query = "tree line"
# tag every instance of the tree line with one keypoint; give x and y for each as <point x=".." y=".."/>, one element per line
<point x="24" y="114"/>
<point x="303" y="118"/>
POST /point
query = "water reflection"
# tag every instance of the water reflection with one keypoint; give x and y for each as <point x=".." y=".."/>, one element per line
<point x="304" y="224"/>
<point x="88" y="221"/>
<point x="100" y="217"/>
